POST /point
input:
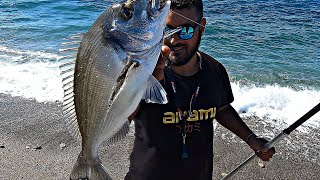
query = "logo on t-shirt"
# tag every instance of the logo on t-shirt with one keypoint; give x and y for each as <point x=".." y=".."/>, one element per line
<point x="192" y="122"/>
<point x="196" y="115"/>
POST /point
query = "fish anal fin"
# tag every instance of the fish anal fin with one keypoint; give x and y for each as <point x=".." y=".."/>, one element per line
<point x="121" y="134"/>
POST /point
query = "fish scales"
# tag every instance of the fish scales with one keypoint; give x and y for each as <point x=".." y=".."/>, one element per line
<point x="99" y="87"/>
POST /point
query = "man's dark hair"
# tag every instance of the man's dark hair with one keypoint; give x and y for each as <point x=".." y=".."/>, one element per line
<point x="181" y="4"/>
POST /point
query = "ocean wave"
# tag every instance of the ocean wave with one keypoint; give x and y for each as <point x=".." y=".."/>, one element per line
<point x="30" y="74"/>
<point x="36" y="74"/>
<point x="24" y="56"/>
<point x="274" y="102"/>
<point x="40" y="81"/>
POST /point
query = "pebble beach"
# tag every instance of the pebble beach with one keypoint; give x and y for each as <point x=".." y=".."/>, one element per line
<point x="34" y="144"/>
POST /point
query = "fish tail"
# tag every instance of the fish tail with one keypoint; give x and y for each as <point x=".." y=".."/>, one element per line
<point x="89" y="169"/>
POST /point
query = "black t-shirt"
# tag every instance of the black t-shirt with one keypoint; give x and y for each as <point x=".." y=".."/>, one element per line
<point x="157" y="150"/>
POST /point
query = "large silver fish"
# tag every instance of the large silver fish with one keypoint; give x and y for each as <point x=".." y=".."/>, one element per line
<point x="111" y="74"/>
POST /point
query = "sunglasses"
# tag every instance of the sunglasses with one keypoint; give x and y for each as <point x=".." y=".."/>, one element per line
<point x="184" y="32"/>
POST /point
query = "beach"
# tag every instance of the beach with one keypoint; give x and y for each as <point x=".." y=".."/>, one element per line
<point x="36" y="145"/>
<point x="270" y="50"/>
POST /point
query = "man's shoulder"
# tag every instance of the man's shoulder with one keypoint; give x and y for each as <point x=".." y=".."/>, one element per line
<point x="212" y="63"/>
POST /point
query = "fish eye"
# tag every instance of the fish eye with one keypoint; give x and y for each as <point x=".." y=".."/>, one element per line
<point x="126" y="12"/>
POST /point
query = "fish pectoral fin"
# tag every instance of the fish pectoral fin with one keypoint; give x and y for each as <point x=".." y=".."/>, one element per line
<point x="155" y="93"/>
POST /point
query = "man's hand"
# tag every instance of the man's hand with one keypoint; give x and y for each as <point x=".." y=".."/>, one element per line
<point x="158" y="71"/>
<point x="257" y="144"/>
<point x="231" y="120"/>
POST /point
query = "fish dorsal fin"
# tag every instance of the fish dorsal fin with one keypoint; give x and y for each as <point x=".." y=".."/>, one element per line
<point x="68" y="51"/>
<point x="155" y="93"/>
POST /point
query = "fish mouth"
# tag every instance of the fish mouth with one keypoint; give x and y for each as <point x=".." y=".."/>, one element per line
<point x="155" y="6"/>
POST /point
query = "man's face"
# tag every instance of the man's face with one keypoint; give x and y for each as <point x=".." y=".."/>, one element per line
<point x="183" y="50"/>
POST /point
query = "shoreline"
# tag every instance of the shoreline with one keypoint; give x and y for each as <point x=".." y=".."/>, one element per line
<point x="39" y="126"/>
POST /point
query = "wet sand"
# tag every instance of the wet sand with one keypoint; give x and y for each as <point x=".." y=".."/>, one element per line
<point x="32" y="136"/>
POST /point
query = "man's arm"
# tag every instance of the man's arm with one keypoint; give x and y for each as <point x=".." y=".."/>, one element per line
<point x="229" y="118"/>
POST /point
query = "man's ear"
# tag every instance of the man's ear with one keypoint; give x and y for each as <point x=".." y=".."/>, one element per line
<point x="203" y="23"/>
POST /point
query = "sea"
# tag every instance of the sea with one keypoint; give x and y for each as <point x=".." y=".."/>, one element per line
<point x="270" y="48"/>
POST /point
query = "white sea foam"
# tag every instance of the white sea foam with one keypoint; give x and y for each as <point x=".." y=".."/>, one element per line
<point x="30" y="74"/>
<point x="38" y="77"/>
<point x="275" y="102"/>
<point x="15" y="55"/>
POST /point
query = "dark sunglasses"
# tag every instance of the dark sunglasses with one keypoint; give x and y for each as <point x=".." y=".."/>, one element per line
<point x="184" y="32"/>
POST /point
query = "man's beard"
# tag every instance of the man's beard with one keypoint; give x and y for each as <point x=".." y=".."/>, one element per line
<point x="175" y="61"/>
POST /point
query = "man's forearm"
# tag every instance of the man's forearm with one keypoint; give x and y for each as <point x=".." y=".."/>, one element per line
<point x="229" y="118"/>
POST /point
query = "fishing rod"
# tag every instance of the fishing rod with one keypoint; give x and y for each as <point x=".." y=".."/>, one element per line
<point x="278" y="138"/>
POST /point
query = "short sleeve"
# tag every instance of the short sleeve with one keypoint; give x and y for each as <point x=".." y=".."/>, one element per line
<point x="226" y="95"/>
